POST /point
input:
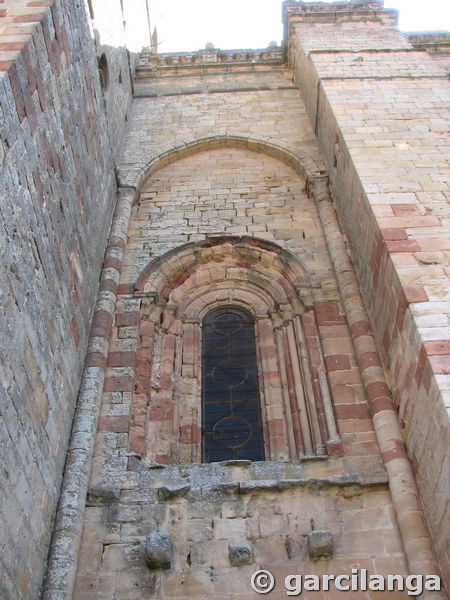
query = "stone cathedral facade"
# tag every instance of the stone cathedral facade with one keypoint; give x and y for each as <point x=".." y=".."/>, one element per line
<point x="224" y="306"/>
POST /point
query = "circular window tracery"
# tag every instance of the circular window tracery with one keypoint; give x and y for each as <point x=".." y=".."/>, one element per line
<point x="231" y="406"/>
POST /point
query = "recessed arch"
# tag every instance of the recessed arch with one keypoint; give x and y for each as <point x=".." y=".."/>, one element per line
<point x="179" y="289"/>
<point x="267" y="264"/>
<point x="302" y="163"/>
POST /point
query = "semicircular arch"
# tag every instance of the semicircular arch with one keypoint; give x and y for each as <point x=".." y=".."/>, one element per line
<point x="302" y="163"/>
<point x="264" y="264"/>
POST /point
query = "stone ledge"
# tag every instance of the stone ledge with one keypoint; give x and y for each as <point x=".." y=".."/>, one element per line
<point x="187" y="485"/>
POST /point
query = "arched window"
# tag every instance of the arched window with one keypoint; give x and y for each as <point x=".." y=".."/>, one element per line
<point x="215" y="315"/>
<point x="230" y="391"/>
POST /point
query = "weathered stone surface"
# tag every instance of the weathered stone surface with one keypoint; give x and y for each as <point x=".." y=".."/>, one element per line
<point x="173" y="491"/>
<point x="158" y="550"/>
<point x="320" y="545"/>
<point x="224" y="137"/>
<point x="241" y="555"/>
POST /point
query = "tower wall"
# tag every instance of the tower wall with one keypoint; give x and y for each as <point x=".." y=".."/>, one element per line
<point x="60" y="134"/>
<point x="376" y="104"/>
<point x="205" y="149"/>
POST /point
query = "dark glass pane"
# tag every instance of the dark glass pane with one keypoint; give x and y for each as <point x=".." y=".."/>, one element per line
<point x="231" y="409"/>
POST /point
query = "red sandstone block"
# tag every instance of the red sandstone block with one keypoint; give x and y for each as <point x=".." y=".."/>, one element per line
<point x="144" y="354"/>
<point x="427" y="375"/>
<point x="308" y="318"/>
<point x="369" y="359"/>
<point x="142" y="369"/>
<point x="136" y="444"/>
<point x="146" y="328"/>
<point x="354" y="410"/>
<point x="415" y="293"/>
<point x="378" y="389"/>
<point x="146" y="341"/>
<point x="126" y="319"/>
<point x="121" y="359"/>
<point x="32" y="18"/>
<point x="169" y="346"/>
<point x="189" y="434"/>
<point x="327" y="313"/>
<point x="165" y="379"/>
<point x="125" y="289"/>
<point x="335" y="450"/>
<point x="102" y="324"/>
<point x="338" y="362"/>
<point x="403" y="210"/>
<point x="309" y="330"/>
<point x="410" y="222"/>
<point x="108" y="285"/>
<point x="329" y="308"/>
<point x="114" y="424"/>
<point x="161" y="413"/>
<point x="142" y="384"/>
<point x="402" y="246"/>
<point x="40" y="3"/>
<point x="399" y="451"/>
<point x="437" y="347"/>
<point x="186" y="434"/>
<point x="394" y="233"/>
<point x="378" y="397"/>
<point x="119" y="384"/>
<point x="162" y="459"/>
<point x="401" y="310"/>
<point x="360" y="328"/>
<point x="95" y="359"/>
<point x="112" y="261"/>
<point x="275" y="427"/>
<point x="7" y="46"/>
<point x="314" y="355"/>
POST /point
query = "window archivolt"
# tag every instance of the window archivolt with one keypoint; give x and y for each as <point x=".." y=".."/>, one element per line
<point x="183" y="292"/>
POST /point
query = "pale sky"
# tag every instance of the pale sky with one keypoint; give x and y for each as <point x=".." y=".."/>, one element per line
<point x="228" y="24"/>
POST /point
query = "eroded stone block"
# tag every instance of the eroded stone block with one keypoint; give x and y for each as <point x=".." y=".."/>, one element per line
<point x="241" y="555"/>
<point x="158" y="550"/>
<point x="320" y="544"/>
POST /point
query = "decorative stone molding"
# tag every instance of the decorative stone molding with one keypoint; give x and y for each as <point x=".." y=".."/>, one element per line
<point x="338" y="11"/>
<point x="405" y="497"/>
<point x="179" y="61"/>
<point x="181" y="287"/>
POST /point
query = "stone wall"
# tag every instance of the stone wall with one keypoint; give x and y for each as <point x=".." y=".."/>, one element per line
<point x="222" y="182"/>
<point x="377" y="105"/>
<point x="209" y="510"/>
<point x="57" y="193"/>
